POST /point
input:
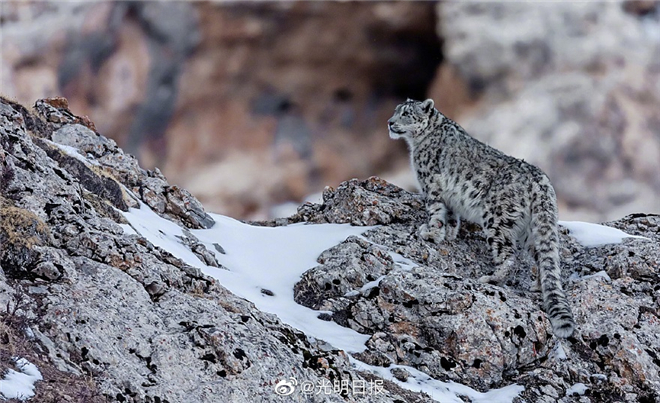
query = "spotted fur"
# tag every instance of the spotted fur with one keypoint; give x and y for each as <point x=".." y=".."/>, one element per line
<point x="463" y="178"/>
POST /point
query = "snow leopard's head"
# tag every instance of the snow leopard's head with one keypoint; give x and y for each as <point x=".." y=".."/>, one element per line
<point x="410" y="119"/>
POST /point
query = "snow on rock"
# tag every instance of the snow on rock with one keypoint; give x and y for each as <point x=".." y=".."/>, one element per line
<point x="265" y="278"/>
<point x="20" y="384"/>
<point x="590" y="235"/>
<point x="577" y="389"/>
<point x="449" y="392"/>
<point x="600" y="274"/>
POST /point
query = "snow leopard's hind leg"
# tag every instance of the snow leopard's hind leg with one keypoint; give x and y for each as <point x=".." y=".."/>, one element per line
<point x="526" y="242"/>
<point x="501" y="235"/>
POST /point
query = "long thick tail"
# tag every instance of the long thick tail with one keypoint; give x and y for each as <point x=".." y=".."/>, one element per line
<point x="546" y="253"/>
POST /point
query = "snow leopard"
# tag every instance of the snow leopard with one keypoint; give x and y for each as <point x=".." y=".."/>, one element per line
<point x="462" y="178"/>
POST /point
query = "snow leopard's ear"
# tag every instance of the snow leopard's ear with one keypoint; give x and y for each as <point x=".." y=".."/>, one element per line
<point x="427" y="105"/>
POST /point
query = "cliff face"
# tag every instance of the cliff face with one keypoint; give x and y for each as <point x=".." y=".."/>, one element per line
<point x="108" y="316"/>
<point x="247" y="105"/>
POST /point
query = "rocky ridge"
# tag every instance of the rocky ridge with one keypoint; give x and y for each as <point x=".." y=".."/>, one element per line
<point x="119" y="319"/>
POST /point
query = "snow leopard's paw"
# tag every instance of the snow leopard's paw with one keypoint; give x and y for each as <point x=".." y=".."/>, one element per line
<point x="432" y="233"/>
<point x="501" y="274"/>
<point x="453" y="225"/>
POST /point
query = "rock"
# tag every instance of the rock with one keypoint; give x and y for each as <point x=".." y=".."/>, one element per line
<point x="107" y="313"/>
<point x="345" y="268"/>
<point x="367" y="202"/>
<point x="111" y="172"/>
<point x="400" y="374"/>
<point x="56" y="111"/>
<point x="198" y="248"/>
<point x="428" y="311"/>
<point x="22" y="233"/>
<point x="92" y="178"/>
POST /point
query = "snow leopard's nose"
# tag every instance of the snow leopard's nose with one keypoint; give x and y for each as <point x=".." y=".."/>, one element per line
<point x="389" y="123"/>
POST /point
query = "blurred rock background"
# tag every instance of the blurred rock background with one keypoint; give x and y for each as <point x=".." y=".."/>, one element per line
<point x="252" y="105"/>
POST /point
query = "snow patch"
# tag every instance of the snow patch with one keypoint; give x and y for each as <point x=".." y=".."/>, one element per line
<point x="72" y="152"/>
<point x="20" y="385"/>
<point x="579" y="388"/>
<point x="128" y="230"/>
<point x="440" y="391"/>
<point x="266" y="262"/>
<point x="399" y="260"/>
<point x="403" y="262"/>
<point x="160" y="232"/>
<point x="600" y="274"/>
<point x="590" y="235"/>
<point x="366" y="287"/>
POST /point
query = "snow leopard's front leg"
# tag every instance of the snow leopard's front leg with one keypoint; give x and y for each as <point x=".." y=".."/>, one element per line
<point x="443" y="223"/>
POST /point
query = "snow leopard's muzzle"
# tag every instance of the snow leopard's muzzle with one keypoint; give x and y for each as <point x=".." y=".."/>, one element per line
<point x="394" y="130"/>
